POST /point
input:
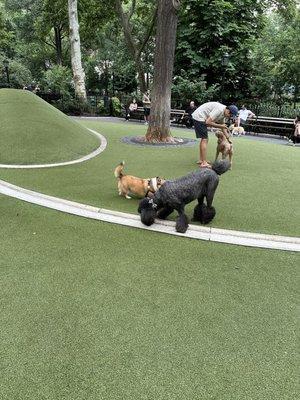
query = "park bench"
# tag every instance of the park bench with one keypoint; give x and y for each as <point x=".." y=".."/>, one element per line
<point x="136" y="114"/>
<point x="282" y="127"/>
<point x="175" y="116"/>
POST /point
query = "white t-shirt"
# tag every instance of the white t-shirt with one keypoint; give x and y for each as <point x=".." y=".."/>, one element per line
<point x="133" y="106"/>
<point x="243" y="114"/>
<point x="212" y="109"/>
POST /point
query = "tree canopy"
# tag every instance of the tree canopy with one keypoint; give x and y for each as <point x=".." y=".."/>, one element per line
<point x="261" y="39"/>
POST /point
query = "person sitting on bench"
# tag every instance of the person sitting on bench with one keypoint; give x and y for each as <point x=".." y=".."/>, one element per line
<point x="187" y="115"/>
<point x="132" y="107"/>
<point x="244" y="114"/>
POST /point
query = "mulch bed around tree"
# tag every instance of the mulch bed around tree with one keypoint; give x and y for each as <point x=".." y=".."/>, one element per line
<point x="140" y="141"/>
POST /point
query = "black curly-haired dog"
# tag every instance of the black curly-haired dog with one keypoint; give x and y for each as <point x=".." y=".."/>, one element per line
<point x="174" y="195"/>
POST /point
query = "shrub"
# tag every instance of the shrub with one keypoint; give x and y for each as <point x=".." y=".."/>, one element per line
<point x="72" y="106"/>
<point x="184" y="90"/>
<point x="19" y="75"/>
<point x="116" y="107"/>
<point x="58" y="80"/>
<point x="101" y="109"/>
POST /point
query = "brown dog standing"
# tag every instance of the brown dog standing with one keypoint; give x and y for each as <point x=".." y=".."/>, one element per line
<point x="224" y="147"/>
<point x="128" y="184"/>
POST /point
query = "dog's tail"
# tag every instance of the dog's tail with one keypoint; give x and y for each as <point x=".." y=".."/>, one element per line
<point x="220" y="167"/>
<point x="119" y="170"/>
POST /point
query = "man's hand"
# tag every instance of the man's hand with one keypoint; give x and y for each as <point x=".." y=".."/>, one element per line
<point x="226" y="132"/>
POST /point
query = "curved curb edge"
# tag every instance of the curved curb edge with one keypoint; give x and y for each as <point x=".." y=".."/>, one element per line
<point x="93" y="154"/>
<point x="194" y="232"/>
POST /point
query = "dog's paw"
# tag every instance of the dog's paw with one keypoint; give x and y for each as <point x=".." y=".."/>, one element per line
<point x="182" y="223"/>
<point x="204" y="214"/>
<point x="127" y="197"/>
<point x="181" y="229"/>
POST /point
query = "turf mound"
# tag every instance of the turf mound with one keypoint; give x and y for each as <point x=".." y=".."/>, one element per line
<point x="32" y="131"/>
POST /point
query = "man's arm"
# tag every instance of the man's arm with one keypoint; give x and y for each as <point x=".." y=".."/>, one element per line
<point x="209" y="122"/>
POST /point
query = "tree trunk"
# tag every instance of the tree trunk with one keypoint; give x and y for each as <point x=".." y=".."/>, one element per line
<point x="78" y="72"/>
<point x="159" y="121"/>
<point x="58" y="46"/>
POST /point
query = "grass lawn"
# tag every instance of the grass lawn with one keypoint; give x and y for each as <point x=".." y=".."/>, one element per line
<point x="33" y="132"/>
<point x="258" y="195"/>
<point x="91" y="310"/>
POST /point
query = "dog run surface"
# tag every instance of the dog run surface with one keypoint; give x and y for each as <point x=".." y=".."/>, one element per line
<point x="256" y="196"/>
<point x="93" y="310"/>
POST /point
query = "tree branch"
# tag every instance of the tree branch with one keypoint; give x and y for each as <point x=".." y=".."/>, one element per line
<point x="133" y="4"/>
<point x="49" y="44"/>
<point x="148" y="34"/>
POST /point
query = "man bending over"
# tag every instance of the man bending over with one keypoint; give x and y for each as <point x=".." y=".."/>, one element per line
<point x="211" y="114"/>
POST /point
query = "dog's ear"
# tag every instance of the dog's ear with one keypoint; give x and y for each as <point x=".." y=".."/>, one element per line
<point x="143" y="204"/>
<point x="147" y="204"/>
<point x="160" y="181"/>
<point x="147" y="209"/>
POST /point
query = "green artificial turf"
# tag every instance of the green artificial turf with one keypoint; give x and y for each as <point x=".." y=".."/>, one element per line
<point x="91" y="310"/>
<point x="258" y="195"/>
<point x="34" y="132"/>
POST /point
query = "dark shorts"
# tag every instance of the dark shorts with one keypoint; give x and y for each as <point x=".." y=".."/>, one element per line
<point x="200" y="129"/>
<point x="146" y="111"/>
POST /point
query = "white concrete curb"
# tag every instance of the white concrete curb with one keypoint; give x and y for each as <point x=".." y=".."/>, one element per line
<point x="194" y="231"/>
<point x="61" y="164"/>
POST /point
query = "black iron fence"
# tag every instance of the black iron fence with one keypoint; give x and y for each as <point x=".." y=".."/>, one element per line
<point x="269" y="109"/>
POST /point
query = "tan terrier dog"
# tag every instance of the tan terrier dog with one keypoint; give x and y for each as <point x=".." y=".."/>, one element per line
<point x="224" y="147"/>
<point x="139" y="187"/>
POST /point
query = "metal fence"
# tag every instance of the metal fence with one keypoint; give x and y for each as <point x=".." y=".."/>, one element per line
<point x="269" y="109"/>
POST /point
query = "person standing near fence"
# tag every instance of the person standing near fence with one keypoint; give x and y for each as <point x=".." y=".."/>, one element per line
<point x="211" y="114"/>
